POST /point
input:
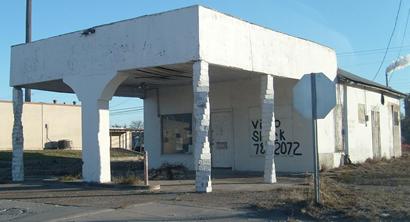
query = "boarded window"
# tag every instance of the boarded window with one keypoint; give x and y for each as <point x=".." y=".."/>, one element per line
<point x="176" y="133"/>
<point x="361" y="110"/>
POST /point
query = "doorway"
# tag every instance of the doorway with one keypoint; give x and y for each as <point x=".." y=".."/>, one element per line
<point x="396" y="131"/>
<point x="376" y="134"/>
<point x="221" y="139"/>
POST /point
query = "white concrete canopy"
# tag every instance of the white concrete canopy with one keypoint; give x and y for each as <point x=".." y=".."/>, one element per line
<point x="173" y="37"/>
<point x="129" y="57"/>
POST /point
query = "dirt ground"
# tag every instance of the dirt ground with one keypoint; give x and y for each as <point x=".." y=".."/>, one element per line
<point x="375" y="190"/>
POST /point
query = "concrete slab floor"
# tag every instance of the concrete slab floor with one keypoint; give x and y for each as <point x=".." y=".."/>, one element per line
<point x="242" y="184"/>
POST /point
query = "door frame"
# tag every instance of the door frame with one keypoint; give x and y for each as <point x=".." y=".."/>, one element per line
<point x="377" y="152"/>
<point x="227" y="110"/>
<point x="396" y="135"/>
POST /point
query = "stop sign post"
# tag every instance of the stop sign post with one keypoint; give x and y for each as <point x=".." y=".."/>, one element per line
<point x="309" y="107"/>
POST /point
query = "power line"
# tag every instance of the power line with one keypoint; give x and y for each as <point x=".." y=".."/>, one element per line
<point x="371" y="61"/>
<point x="391" y="37"/>
<point x="126" y="108"/>
<point x="370" y="51"/>
<point x="125" y="113"/>
<point x="120" y="111"/>
<point x="366" y="63"/>
<point x="121" y="103"/>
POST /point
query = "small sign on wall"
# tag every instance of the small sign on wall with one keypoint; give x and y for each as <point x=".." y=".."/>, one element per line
<point x="284" y="145"/>
<point x="222" y="145"/>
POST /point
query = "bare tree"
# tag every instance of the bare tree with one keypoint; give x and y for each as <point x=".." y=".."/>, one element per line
<point x="137" y="124"/>
<point x="116" y="125"/>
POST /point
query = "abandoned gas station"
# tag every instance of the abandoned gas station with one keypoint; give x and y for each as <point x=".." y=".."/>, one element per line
<point x="217" y="93"/>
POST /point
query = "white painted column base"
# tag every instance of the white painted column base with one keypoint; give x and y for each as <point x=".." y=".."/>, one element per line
<point x="201" y="112"/>
<point x="17" y="164"/>
<point x="268" y="127"/>
<point x="96" y="141"/>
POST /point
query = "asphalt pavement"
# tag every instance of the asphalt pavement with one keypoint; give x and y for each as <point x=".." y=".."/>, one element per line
<point x="152" y="211"/>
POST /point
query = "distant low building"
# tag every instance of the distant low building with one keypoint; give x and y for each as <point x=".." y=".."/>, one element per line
<point x="43" y="125"/>
<point x="126" y="138"/>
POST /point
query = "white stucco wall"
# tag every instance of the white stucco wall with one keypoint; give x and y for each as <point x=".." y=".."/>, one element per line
<point x="232" y="42"/>
<point x="326" y="133"/>
<point x="245" y="107"/>
<point x="64" y="122"/>
<point x="360" y="134"/>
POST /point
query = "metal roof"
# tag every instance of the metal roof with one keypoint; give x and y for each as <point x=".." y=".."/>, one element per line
<point x="343" y="74"/>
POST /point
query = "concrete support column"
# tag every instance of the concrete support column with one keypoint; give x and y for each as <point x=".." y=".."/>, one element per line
<point x="268" y="127"/>
<point x="201" y="113"/>
<point x="96" y="140"/>
<point x="95" y="92"/>
<point x="17" y="165"/>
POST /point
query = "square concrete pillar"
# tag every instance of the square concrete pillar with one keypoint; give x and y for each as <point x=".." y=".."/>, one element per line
<point x="96" y="140"/>
<point x="17" y="164"/>
<point x="201" y="117"/>
<point x="268" y="127"/>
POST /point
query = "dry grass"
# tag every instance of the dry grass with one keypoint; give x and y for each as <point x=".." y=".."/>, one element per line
<point x="69" y="178"/>
<point x="62" y="163"/>
<point x="127" y="180"/>
<point x="374" y="190"/>
<point x="392" y="172"/>
<point x="45" y="154"/>
<point x="117" y="153"/>
<point x="169" y="171"/>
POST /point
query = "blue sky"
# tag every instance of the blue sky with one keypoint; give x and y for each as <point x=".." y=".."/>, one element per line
<point x="348" y="26"/>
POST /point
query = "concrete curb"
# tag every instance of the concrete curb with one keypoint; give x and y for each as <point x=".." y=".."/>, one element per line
<point x="104" y="185"/>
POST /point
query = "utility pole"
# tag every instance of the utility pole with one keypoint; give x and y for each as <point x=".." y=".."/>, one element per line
<point x="27" y="92"/>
